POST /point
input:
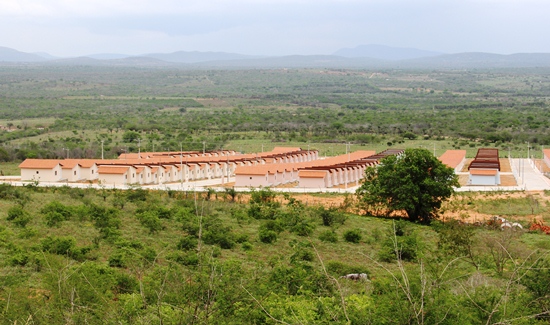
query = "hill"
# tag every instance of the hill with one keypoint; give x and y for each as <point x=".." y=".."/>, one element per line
<point x="383" y="52"/>
<point x="11" y="55"/>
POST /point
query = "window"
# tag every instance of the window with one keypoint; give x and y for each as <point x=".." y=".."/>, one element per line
<point x="250" y="177"/>
<point x="37" y="172"/>
<point x="75" y="173"/>
<point x="92" y="171"/>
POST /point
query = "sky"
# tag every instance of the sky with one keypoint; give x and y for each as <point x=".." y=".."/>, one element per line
<point x="272" y="27"/>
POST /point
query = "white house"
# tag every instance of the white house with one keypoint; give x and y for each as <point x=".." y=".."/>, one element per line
<point x="44" y="170"/>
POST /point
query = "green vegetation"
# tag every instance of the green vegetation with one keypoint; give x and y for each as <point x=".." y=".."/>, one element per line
<point x="415" y="182"/>
<point x="54" y="112"/>
<point x="79" y="255"/>
<point x="105" y="256"/>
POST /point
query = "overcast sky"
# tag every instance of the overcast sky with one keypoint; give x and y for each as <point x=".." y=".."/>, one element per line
<point x="272" y="27"/>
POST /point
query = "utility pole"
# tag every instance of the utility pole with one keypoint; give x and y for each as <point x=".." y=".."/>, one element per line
<point x="139" y="148"/>
<point x="181" y="165"/>
<point x="203" y="147"/>
<point x="101" y="149"/>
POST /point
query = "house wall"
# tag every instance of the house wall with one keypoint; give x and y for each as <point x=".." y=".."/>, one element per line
<point x="251" y="180"/>
<point x="114" y="179"/>
<point x="42" y="175"/>
<point x="89" y="173"/>
<point x="484" y="180"/>
<point x="312" y="182"/>
<point x="71" y="175"/>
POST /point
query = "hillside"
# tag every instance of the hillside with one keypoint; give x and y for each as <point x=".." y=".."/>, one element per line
<point x="80" y="255"/>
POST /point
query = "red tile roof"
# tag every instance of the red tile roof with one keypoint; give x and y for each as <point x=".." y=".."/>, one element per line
<point x="453" y="158"/>
<point x="312" y="173"/>
<point x="40" y="163"/>
<point x="113" y="169"/>
<point x="483" y="172"/>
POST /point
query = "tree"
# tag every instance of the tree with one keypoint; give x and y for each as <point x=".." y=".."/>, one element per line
<point x="415" y="182"/>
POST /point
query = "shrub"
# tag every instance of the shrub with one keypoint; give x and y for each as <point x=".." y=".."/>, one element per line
<point x="150" y="221"/>
<point x="136" y="195"/>
<point x="118" y="259"/>
<point x="267" y="236"/>
<point x="303" y="228"/>
<point x="18" y="216"/>
<point x="55" y="212"/>
<point x="331" y="216"/>
<point x="187" y="243"/>
<point x="353" y="236"/>
<point x="246" y="246"/>
<point x="328" y="236"/>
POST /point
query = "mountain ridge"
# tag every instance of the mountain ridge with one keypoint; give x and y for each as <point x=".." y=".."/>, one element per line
<point x="407" y="58"/>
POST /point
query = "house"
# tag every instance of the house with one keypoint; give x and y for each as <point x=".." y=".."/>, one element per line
<point x="454" y="159"/>
<point x="485" y="168"/>
<point x="117" y="175"/>
<point x="314" y="178"/>
<point x="42" y="170"/>
<point x="71" y="170"/>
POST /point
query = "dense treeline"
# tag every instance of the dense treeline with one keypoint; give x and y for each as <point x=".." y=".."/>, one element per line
<point x="133" y="257"/>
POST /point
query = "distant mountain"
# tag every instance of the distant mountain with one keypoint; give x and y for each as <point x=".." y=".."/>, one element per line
<point x="294" y="61"/>
<point x="46" y="56"/>
<point x="133" y="61"/>
<point x="108" y="56"/>
<point x="383" y="52"/>
<point x="195" y="56"/>
<point x="362" y="57"/>
<point x="11" y="55"/>
<point x="479" y="60"/>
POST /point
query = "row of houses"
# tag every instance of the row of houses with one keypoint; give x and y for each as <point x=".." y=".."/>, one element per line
<point x="155" y="168"/>
<point x="329" y="172"/>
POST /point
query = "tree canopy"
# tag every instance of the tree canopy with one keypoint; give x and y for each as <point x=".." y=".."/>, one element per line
<point x="415" y="182"/>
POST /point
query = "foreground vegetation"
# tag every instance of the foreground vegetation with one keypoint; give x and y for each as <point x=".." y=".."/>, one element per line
<point x="138" y="257"/>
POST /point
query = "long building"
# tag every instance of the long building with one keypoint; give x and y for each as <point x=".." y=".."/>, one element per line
<point x="156" y="168"/>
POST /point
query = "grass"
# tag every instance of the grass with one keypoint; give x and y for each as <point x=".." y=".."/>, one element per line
<point x="510" y="206"/>
<point x="10" y="168"/>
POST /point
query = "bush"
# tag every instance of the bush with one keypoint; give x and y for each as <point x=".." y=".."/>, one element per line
<point x="187" y="243"/>
<point x="267" y="236"/>
<point x="353" y="236"/>
<point x="150" y="221"/>
<point x="303" y="228"/>
<point x="64" y="246"/>
<point x="331" y="216"/>
<point x="246" y="246"/>
<point x="118" y="259"/>
<point x="18" y="216"/>
<point x="328" y="236"/>
<point x="55" y="212"/>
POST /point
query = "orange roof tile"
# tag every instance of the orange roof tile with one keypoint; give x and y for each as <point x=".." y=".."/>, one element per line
<point x="40" y="163"/>
<point x="483" y="172"/>
<point x="453" y="158"/>
<point x="113" y="169"/>
<point x="312" y="173"/>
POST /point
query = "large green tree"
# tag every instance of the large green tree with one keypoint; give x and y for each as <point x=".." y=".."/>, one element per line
<point x="415" y="182"/>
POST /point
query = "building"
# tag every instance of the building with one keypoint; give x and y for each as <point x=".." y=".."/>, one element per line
<point x="485" y="168"/>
